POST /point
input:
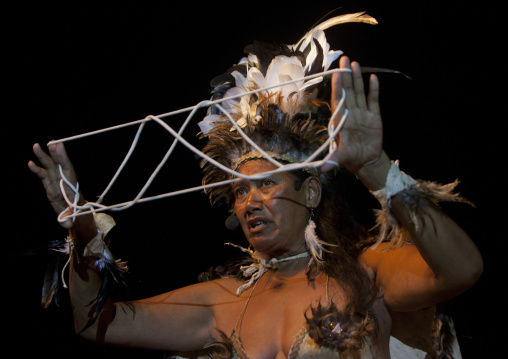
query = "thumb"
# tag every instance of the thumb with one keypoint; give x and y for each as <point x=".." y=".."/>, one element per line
<point x="65" y="218"/>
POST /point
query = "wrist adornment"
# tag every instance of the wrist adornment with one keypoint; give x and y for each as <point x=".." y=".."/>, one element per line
<point x="111" y="271"/>
<point x="417" y="195"/>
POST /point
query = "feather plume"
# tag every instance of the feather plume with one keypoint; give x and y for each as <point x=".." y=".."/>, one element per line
<point x="339" y="330"/>
<point x="317" y="33"/>
<point x="347" y="18"/>
<point x="270" y="65"/>
<point x="286" y="118"/>
<point x="418" y="197"/>
<point x="113" y="272"/>
<point x="51" y="281"/>
<point x="314" y="244"/>
<point x="54" y="270"/>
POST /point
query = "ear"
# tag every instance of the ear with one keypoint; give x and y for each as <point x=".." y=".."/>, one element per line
<point x="312" y="187"/>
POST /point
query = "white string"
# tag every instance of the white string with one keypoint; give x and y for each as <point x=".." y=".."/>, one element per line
<point x="72" y="204"/>
<point x="124" y="162"/>
<point x="92" y="207"/>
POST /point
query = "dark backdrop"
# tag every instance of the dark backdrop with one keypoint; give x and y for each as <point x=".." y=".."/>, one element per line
<point x="78" y="67"/>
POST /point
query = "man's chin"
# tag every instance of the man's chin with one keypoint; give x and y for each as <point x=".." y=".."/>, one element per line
<point x="262" y="244"/>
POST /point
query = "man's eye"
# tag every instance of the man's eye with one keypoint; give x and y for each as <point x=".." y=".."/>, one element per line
<point x="240" y="192"/>
<point x="268" y="182"/>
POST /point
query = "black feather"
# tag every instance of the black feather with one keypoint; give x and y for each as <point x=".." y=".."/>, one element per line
<point x="113" y="273"/>
<point x="54" y="268"/>
<point x="317" y="65"/>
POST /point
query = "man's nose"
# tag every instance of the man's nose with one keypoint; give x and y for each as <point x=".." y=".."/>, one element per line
<point x="254" y="201"/>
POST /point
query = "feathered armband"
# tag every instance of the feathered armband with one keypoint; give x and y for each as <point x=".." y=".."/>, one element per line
<point x="111" y="271"/>
<point x="415" y="194"/>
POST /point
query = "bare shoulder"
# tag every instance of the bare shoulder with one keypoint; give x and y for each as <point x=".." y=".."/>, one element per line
<point x="224" y="287"/>
<point x="202" y="293"/>
<point x="381" y="254"/>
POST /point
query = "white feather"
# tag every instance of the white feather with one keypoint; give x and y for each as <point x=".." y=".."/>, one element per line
<point x="314" y="244"/>
<point x="207" y="124"/>
<point x="341" y="19"/>
<point x="283" y="69"/>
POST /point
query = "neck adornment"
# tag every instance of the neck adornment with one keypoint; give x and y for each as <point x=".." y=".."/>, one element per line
<point x="260" y="266"/>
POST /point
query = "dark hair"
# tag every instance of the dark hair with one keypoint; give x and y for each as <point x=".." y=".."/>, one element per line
<point x="342" y="219"/>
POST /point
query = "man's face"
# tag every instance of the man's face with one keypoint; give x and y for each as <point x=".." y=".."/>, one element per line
<point x="271" y="212"/>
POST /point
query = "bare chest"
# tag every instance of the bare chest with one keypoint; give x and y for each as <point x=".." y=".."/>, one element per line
<point x="269" y="317"/>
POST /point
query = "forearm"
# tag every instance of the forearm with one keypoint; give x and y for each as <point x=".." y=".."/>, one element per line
<point x="91" y="264"/>
<point x="447" y="250"/>
<point x="84" y="285"/>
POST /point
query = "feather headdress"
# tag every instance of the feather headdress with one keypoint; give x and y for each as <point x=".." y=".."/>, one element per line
<point x="289" y="119"/>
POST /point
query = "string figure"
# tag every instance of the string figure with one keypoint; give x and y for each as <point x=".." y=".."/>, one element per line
<point x="94" y="207"/>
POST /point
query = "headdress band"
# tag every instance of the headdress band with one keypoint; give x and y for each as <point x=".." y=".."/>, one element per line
<point x="254" y="155"/>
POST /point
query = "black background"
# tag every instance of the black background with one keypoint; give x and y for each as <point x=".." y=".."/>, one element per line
<point x="71" y="68"/>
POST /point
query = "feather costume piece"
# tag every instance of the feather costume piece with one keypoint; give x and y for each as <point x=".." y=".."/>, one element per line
<point x="417" y="195"/>
<point x="347" y="333"/>
<point x="112" y="271"/>
<point x="53" y="269"/>
<point x="314" y="244"/>
<point x="272" y="66"/>
<point x="317" y="33"/>
<point x="282" y="118"/>
<point x="259" y="266"/>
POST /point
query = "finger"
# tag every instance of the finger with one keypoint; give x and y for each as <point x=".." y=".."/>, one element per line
<point x="40" y="172"/>
<point x="336" y="97"/>
<point x="63" y="158"/>
<point x="53" y="153"/>
<point x="338" y="82"/>
<point x="46" y="161"/>
<point x="345" y="78"/>
<point x="359" y="90"/>
<point x="46" y="176"/>
<point x="59" y="155"/>
<point x="48" y="171"/>
<point x="336" y="91"/>
<point x="66" y="219"/>
<point x="374" y="95"/>
<point x="346" y="82"/>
